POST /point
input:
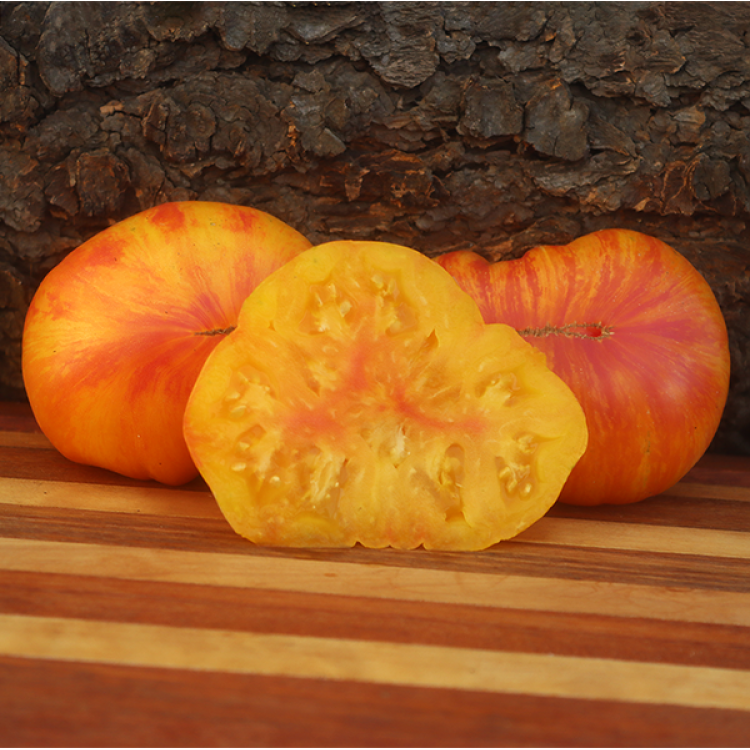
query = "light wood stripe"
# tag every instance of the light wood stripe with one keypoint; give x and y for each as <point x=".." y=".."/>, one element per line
<point x="378" y="581"/>
<point x="642" y="537"/>
<point x="156" y="500"/>
<point x="373" y="662"/>
<point x="708" y="491"/>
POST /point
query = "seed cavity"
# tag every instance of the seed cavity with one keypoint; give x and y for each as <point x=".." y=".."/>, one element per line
<point x="527" y="444"/>
<point x="442" y="479"/>
<point x="327" y="309"/>
<point x="393" y="444"/>
<point x="396" y="314"/>
<point x="451" y="473"/>
<point x="238" y="411"/>
<point x="499" y="387"/>
<point x="514" y="478"/>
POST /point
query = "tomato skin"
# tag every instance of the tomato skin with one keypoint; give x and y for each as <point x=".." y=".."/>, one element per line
<point x="362" y="399"/>
<point x="118" y="331"/>
<point x="636" y="332"/>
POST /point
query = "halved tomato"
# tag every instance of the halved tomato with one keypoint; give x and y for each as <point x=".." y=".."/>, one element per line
<point x="363" y="399"/>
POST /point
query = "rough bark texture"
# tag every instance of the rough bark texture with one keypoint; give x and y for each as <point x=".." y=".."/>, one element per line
<point x="490" y="126"/>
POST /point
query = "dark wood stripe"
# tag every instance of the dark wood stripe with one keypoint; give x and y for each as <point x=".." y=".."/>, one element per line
<point x="17" y="416"/>
<point x="727" y="470"/>
<point x="686" y="512"/>
<point x="24" y="463"/>
<point x="48" y="703"/>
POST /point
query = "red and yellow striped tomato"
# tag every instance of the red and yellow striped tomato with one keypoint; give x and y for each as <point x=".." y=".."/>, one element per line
<point x="117" y="332"/>
<point x="636" y="332"/>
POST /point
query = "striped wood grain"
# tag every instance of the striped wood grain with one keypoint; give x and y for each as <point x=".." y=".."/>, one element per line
<point x="596" y="626"/>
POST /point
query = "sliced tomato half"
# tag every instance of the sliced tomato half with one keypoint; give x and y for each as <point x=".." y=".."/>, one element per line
<point x="363" y="399"/>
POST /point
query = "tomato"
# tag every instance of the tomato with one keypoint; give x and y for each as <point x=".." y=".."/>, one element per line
<point x="363" y="399"/>
<point x="636" y="332"/>
<point x="117" y="332"/>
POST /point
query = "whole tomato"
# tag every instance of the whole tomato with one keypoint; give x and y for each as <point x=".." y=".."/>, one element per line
<point x="117" y="332"/>
<point x="636" y="332"/>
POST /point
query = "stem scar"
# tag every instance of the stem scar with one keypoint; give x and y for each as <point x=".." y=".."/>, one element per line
<point x="571" y="330"/>
<point x="216" y="332"/>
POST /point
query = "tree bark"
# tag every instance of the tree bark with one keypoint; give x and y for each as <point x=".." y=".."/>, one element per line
<point x="488" y="126"/>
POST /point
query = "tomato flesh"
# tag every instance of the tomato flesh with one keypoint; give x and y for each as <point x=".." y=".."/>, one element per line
<point x="363" y="399"/>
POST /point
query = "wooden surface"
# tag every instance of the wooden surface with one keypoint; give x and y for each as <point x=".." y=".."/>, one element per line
<point x="131" y="614"/>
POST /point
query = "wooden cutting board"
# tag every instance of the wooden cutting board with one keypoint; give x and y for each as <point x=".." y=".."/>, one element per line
<point x="131" y="614"/>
